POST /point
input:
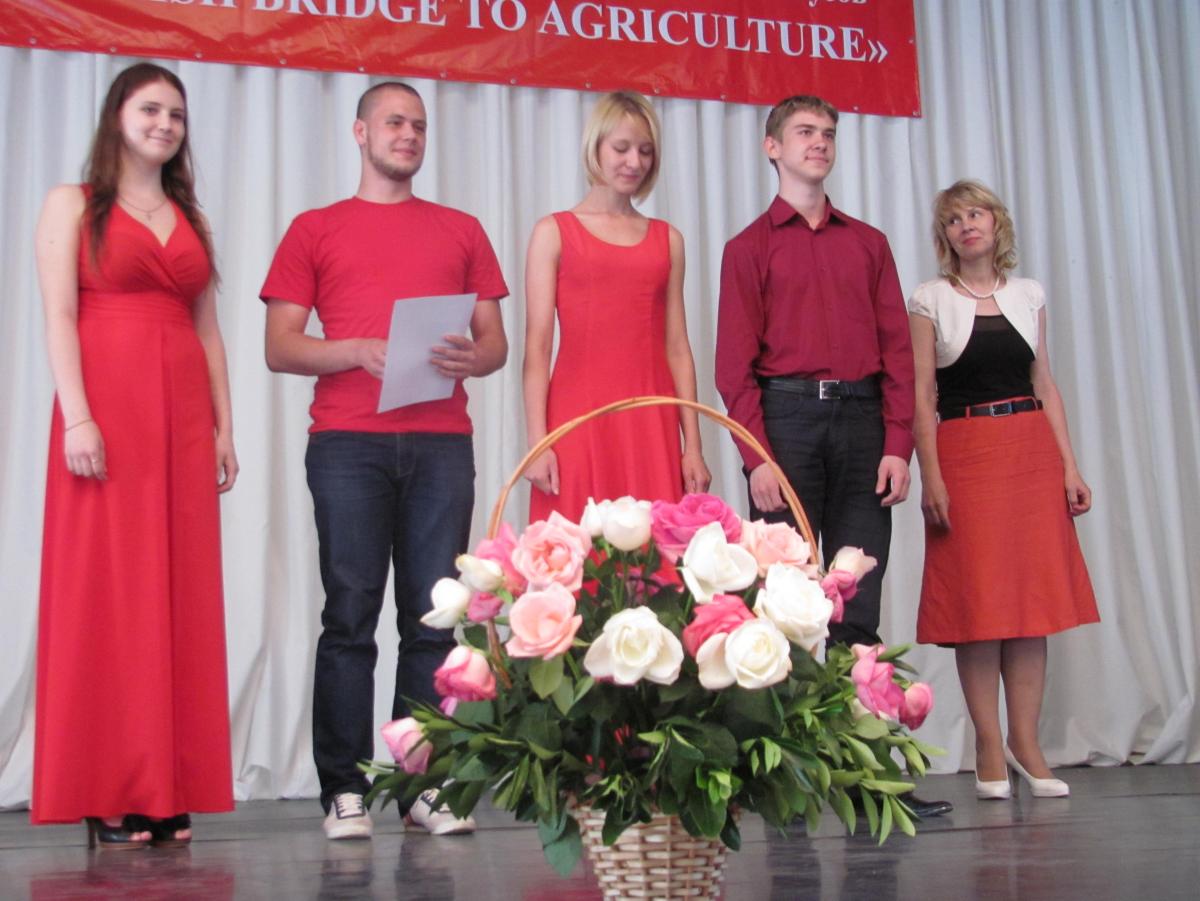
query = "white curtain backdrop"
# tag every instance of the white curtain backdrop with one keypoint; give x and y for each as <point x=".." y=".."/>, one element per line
<point x="1082" y="115"/>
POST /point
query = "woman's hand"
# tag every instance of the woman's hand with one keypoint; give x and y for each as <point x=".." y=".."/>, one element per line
<point x="1079" y="495"/>
<point x="935" y="501"/>
<point x="696" y="477"/>
<point x="227" y="464"/>
<point x="83" y="446"/>
<point x="543" y="472"/>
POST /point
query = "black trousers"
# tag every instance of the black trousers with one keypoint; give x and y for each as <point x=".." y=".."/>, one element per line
<point x="830" y="451"/>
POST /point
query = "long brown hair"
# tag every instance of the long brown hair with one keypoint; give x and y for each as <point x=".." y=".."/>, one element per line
<point x="102" y="171"/>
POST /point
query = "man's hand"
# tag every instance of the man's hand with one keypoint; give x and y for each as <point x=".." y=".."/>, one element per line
<point x="371" y="355"/>
<point x="765" y="490"/>
<point x="456" y="359"/>
<point x="893" y="472"/>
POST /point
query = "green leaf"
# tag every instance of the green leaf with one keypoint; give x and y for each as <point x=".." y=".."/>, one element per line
<point x="708" y="816"/>
<point x="564" y="696"/>
<point x="871" y="809"/>
<point x="472" y="769"/>
<point x="844" y="808"/>
<point x="564" y="851"/>
<point x="731" y="835"/>
<point x="902" y="818"/>
<point x="582" y="687"/>
<point x="887" y="787"/>
<point x="885" y="822"/>
<point x="546" y="675"/>
<point x="871" y="728"/>
<point x="862" y="753"/>
<point x="916" y="763"/>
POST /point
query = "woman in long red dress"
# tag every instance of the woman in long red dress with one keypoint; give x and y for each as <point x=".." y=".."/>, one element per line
<point x="1000" y="485"/>
<point x="132" y="708"/>
<point x="614" y="278"/>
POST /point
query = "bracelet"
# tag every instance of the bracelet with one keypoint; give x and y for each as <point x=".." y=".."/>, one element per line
<point x="81" y="422"/>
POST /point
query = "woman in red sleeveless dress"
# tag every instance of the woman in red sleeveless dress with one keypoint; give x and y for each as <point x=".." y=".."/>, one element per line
<point x="614" y="278"/>
<point x="132" y="709"/>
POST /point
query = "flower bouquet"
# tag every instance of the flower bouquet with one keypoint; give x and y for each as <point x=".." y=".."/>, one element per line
<point x="659" y="660"/>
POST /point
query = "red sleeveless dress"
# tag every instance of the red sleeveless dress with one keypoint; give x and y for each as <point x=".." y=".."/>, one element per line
<point x="611" y="303"/>
<point x="132" y="705"/>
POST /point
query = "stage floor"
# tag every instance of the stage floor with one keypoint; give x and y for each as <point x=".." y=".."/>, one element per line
<point x="1128" y="834"/>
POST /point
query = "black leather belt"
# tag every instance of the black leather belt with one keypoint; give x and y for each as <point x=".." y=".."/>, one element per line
<point x="1004" y="408"/>
<point x="825" y="389"/>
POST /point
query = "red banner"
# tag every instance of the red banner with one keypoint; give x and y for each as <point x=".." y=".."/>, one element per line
<point x="859" y="54"/>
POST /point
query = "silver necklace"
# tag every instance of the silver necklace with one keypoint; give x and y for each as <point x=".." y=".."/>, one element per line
<point x="149" y="213"/>
<point x="962" y="284"/>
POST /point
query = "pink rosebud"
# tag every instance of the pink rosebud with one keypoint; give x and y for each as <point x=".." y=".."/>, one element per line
<point x="918" y="701"/>
<point x="543" y="623"/>
<point x="774" y="542"/>
<point x="466" y="675"/>
<point x="552" y="551"/>
<point x="673" y="525"/>
<point x="483" y="606"/>
<point x="873" y="683"/>
<point x="853" y="561"/>
<point x="406" y="740"/>
<point x="500" y="549"/>
<point x="839" y="586"/>
<point x="448" y="706"/>
<point x="723" y="615"/>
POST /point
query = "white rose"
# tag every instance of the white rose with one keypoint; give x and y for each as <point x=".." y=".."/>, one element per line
<point x="594" y="515"/>
<point x="627" y="523"/>
<point x="757" y="654"/>
<point x="633" y="646"/>
<point x="710" y="658"/>
<point x="853" y="560"/>
<point x="450" y="601"/>
<point x="711" y="565"/>
<point x="486" y="576"/>
<point x="796" y="604"/>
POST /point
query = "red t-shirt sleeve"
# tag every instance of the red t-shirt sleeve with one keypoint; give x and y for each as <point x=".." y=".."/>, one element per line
<point x="293" y="275"/>
<point x="740" y="322"/>
<point x="484" y="277"/>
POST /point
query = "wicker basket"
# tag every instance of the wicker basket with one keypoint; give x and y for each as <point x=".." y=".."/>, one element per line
<point x="652" y="860"/>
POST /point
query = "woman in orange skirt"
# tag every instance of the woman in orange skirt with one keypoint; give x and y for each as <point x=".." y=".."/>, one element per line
<point x="1003" y="567"/>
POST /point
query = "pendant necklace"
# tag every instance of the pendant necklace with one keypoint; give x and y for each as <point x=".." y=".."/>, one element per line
<point x="149" y="213"/>
<point x="967" y="288"/>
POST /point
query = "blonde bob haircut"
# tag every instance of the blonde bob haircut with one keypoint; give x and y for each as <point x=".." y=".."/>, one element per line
<point x="970" y="193"/>
<point x="606" y="116"/>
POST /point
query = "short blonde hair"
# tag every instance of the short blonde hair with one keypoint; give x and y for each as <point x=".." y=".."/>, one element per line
<point x="606" y="116"/>
<point x="967" y="192"/>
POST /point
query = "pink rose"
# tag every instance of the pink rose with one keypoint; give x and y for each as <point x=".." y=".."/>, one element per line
<point x="406" y="740"/>
<point x="723" y="615"/>
<point x="500" y="549"/>
<point x="873" y="683"/>
<point x="918" y="701"/>
<point x="774" y="542"/>
<point x="448" y="706"/>
<point x="552" y="551"/>
<point x="854" y="561"/>
<point x="543" y="623"/>
<point x="465" y="675"/>
<point x="673" y="525"/>
<point x="483" y="606"/>
<point x="839" y="586"/>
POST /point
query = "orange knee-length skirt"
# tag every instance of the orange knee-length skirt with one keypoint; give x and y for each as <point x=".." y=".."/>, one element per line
<point x="1009" y="566"/>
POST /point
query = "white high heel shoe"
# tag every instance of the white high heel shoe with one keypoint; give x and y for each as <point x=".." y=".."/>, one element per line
<point x="1000" y="790"/>
<point x="1039" y="788"/>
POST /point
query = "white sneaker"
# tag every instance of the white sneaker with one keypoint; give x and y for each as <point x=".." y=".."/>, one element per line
<point x="440" y="821"/>
<point x="347" y="817"/>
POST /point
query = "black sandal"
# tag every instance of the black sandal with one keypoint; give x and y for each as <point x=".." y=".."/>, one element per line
<point x="165" y="833"/>
<point x="118" y="838"/>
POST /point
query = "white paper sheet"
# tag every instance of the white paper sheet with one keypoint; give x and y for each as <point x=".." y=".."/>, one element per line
<point x="418" y="325"/>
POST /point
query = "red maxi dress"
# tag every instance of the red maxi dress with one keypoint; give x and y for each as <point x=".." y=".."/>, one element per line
<point x="132" y="705"/>
<point x="611" y="302"/>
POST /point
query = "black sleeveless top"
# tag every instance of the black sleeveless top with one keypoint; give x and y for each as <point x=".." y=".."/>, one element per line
<point x="994" y="365"/>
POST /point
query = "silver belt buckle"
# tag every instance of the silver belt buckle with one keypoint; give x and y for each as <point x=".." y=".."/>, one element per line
<point x="1002" y="409"/>
<point x="821" y="389"/>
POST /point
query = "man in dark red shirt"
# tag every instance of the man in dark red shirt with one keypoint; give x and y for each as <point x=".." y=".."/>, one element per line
<point x="814" y="359"/>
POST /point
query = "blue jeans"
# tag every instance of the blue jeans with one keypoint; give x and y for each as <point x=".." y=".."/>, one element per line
<point x="830" y="452"/>
<point x="380" y="499"/>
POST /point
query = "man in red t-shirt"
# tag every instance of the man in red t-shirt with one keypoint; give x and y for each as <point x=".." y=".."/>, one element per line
<point x="814" y="359"/>
<point x="388" y="488"/>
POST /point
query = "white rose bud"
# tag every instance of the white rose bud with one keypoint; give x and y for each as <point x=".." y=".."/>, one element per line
<point x="627" y="524"/>
<point x="633" y="646"/>
<point x="711" y="565"/>
<point x="758" y="654"/>
<point x="796" y="604"/>
<point x="478" y="574"/>
<point x="853" y="560"/>
<point x="594" y="515"/>
<point x="450" y="601"/>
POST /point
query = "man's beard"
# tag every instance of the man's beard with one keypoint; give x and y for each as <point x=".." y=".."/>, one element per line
<point x="391" y="170"/>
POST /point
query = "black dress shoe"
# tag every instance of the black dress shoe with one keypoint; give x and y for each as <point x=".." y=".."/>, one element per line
<point x="923" y="809"/>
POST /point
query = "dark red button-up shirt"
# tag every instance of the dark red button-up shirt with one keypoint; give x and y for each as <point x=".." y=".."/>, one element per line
<point x="814" y="303"/>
